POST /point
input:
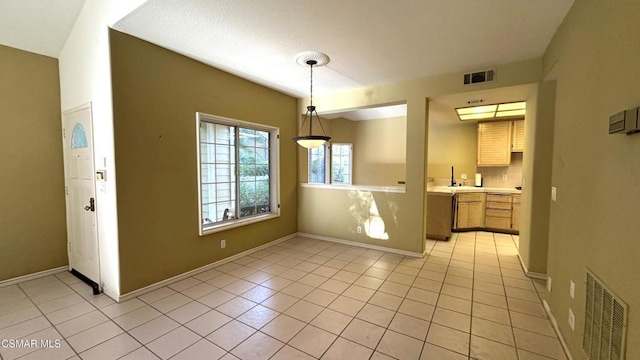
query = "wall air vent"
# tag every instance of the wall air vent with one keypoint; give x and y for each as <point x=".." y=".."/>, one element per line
<point x="479" y="77"/>
<point x="605" y="322"/>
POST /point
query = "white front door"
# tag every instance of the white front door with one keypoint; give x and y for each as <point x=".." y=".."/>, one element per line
<point x="79" y="174"/>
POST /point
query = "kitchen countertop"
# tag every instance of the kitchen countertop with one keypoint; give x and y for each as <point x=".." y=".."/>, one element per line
<point x="450" y="190"/>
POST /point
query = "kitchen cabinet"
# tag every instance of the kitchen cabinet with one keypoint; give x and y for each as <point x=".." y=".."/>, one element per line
<point x="498" y="211"/>
<point x="515" y="213"/>
<point x="469" y="210"/>
<point x="439" y="216"/>
<point x="517" y="137"/>
<point x="494" y="143"/>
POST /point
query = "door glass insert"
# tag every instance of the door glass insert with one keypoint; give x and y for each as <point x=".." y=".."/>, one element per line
<point x="79" y="137"/>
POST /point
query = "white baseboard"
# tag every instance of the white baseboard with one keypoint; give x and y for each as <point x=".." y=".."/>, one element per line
<point x="33" y="276"/>
<point x="368" y="246"/>
<point x="531" y="274"/>
<point x="565" y="347"/>
<point x="159" y="284"/>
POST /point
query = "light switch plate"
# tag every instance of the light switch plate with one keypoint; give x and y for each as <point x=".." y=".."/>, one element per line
<point x="572" y="289"/>
<point x="572" y="319"/>
<point x="554" y="193"/>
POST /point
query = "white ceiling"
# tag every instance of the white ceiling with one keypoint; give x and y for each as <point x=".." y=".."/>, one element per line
<point x="369" y="41"/>
<point x="39" y="26"/>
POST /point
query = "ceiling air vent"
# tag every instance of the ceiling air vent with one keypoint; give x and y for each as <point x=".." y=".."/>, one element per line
<point x="605" y="322"/>
<point x="479" y="77"/>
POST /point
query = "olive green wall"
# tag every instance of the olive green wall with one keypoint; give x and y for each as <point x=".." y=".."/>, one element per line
<point x="33" y="233"/>
<point x="594" y="222"/>
<point x="156" y="94"/>
<point x="379" y="151"/>
<point x="452" y="145"/>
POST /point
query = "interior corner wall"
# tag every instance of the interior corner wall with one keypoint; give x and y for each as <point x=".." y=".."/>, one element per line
<point x="534" y="226"/>
<point x="33" y="229"/>
<point x="593" y="223"/>
<point x="156" y="94"/>
<point x="85" y="77"/>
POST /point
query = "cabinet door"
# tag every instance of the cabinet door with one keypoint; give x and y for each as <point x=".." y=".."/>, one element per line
<point x="494" y="143"/>
<point x="499" y="223"/>
<point x="515" y="217"/>
<point x="463" y="215"/>
<point x="476" y="215"/>
<point x="517" y="144"/>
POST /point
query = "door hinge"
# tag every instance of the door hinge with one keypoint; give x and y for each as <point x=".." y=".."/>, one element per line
<point x="66" y="190"/>
<point x="64" y="133"/>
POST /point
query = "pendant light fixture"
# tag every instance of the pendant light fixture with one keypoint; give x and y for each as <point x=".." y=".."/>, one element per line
<point x="310" y="140"/>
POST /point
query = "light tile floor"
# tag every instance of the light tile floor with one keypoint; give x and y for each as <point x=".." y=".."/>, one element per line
<point x="301" y="299"/>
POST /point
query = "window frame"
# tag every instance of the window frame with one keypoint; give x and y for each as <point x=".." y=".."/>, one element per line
<point x="350" y="182"/>
<point x="274" y="173"/>
<point x="325" y="163"/>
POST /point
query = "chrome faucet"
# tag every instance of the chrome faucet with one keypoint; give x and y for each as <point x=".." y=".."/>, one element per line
<point x="453" y="180"/>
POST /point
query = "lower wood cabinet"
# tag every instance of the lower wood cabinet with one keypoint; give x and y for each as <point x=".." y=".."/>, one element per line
<point x="469" y="211"/>
<point x="515" y="213"/>
<point x="500" y="212"/>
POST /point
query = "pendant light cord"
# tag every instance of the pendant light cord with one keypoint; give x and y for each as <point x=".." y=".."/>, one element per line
<point x="311" y="85"/>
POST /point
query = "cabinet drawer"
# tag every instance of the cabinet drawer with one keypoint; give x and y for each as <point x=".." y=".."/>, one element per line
<point x="473" y="197"/>
<point x="498" y="222"/>
<point x="499" y="205"/>
<point x="498" y="213"/>
<point x="516" y="199"/>
<point x="499" y="198"/>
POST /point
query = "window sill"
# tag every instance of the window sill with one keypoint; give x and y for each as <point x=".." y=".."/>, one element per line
<point x="232" y="224"/>
<point x="387" y="189"/>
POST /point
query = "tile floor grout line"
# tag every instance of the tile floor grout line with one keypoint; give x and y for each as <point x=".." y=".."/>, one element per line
<point x="46" y="318"/>
<point x="288" y="258"/>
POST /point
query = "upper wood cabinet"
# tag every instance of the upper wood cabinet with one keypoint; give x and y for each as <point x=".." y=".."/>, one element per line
<point x="494" y="143"/>
<point x="517" y="138"/>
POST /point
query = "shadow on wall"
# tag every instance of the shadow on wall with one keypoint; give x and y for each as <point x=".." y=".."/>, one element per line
<point x="366" y="213"/>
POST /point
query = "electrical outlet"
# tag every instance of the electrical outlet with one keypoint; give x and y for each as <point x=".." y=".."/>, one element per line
<point x="223" y="244"/>
<point x="504" y="177"/>
<point x="463" y="176"/>
<point x="554" y="193"/>
<point x="572" y="319"/>
<point x="572" y="289"/>
<point x="549" y="283"/>
<point x="359" y="229"/>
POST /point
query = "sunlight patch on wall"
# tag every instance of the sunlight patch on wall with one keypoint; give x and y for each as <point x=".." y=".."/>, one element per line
<point x="365" y="213"/>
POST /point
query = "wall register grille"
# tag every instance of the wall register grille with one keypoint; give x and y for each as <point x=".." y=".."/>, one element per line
<point x="605" y="324"/>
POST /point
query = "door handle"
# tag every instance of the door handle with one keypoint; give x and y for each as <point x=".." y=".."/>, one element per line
<point x="91" y="206"/>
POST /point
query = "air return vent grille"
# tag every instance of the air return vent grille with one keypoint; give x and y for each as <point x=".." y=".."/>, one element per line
<point x="605" y="322"/>
<point x="479" y="77"/>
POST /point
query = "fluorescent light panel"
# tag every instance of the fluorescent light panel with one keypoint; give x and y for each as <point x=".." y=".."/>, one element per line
<point x="492" y="111"/>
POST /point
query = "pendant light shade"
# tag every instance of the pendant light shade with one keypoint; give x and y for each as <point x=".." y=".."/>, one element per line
<point x="310" y="140"/>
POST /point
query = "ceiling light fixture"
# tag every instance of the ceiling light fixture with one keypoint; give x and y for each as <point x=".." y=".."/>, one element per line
<point x="310" y="140"/>
<point x="495" y="111"/>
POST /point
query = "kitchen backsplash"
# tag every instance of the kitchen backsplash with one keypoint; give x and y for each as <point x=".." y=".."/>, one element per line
<point x="492" y="176"/>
